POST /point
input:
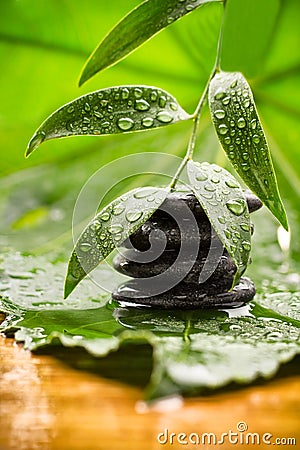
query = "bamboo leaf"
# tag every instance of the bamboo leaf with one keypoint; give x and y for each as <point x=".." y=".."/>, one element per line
<point x="109" y="228"/>
<point x="240" y="132"/>
<point x="119" y="109"/>
<point x="223" y="201"/>
<point x="134" y="29"/>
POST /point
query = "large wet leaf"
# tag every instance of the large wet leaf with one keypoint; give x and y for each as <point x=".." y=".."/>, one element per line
<point x="192" y="351"/>
<point x="134" y="29"/>
<point x="222" y="198"/>
<point x="242" y="137"/>
<point x="247" y="32"/>
<point x="114" y="110"/>
<point x="109" y="228"/>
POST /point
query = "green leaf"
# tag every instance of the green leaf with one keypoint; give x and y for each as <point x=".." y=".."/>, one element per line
<point x="193" y="351"/>
<point x="223" y="201"/>
<point x="247" y="32"/>
<point x="109" y="228"/>
<point x="240" y="132"/>
<point x="134" y="29"/>
<point x="113" y="110"/>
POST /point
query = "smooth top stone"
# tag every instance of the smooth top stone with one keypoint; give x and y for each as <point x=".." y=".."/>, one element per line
<point x="162" y="223"/>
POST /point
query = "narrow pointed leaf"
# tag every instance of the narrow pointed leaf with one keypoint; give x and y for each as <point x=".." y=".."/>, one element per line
<point x="240" y="132"/>
<point x="134" y="29"/>
<point x="113" y="110"/>
<point x="222" y="199"/>
<point x="109" y="228"/>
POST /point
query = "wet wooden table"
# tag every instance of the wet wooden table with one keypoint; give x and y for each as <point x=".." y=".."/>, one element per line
<point x="47" y="405"/>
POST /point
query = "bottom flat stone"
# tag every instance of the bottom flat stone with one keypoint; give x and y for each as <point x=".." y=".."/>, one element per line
<point x="178" y="298"/>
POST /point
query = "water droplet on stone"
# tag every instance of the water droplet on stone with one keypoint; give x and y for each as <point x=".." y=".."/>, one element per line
<point x="125" y="123"/>
<point x="237" y="207"/>
<point x="141" y="105"/>
<point x="133" y="215"/>
<point x="220" y="114"/>
<point x="241" y="123"/>
<point x="223" y="129"/>
<point x="147" y="122"/>
<point x="164" y="117"/>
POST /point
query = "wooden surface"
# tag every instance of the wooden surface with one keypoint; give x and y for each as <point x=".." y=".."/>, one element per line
<point x="47" y="405"/>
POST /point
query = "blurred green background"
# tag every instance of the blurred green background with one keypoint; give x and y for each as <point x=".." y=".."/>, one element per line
<point x="43" y="46"/>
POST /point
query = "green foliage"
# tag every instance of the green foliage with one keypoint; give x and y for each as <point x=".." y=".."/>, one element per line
<point x="192" y="351"/>
<point x="221" y="197"/>
<point x="111" y="226"/>
<point x="241" y="135"/>
<point x="247" y="32"/>
<point x="137" y="27"/>
<point x="110" y="111"/>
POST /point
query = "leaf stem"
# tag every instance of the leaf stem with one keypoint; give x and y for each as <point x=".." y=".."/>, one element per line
<point x="197" y="114"/>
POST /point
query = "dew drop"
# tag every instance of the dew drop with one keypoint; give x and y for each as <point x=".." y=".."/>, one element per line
<point x="138" y="92"/>
<point x="118" y="209"/>
<point x="125" y="93"/>
<point x="253" y="124"/>
<point x="70" y="109"/>
<point x="232" y="183"/>
<point x="133" y="215"/>
<point x="237" y="207"/>
<point x="245" y="167"/>
<point x="87" y="107"/>
<point x="153" y="96"/>
<point x="233" y="84"/>
<point x="246" y="103"/>
<point x="256" y="139"/>
<point x="246" y="246"/>
<point x="162" y="101"/>
<point x="223" y="129"/>
<point x="238" y="141"/>
<point x="147" y="122"/>
<point x="36" y="140"/>
<point x="116" y="228"/>
<point x="245" y="156"/>
<point x="173" y="106"/>
<point x="226" y="101"/>
<point x="164" y="117"/>
<point x="85" y="247"/>
<point x="241" y="123"/>
<point x="227" y="140"/>
<point x="220" y="94"/>
<point x="227" y="234"/>
<point x="142" y="105"/>
<point x="222" y="219"/>
<point x="245" y="226"/>
<point x="209" y="188"/>
<point x="105" y="216"/>
<point x="201" y="176"/>
<point x="125" y="123"/>
<point x="215" y="179"/>
<point x="220" y="114"/>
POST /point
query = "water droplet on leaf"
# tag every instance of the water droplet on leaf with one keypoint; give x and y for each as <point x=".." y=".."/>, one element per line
<point x="133" y="215"/>
<point x="125" y="123"/>
<point x="237" y="207"/>
<point x="164" y="117"/>
<point x="142" y="105"/>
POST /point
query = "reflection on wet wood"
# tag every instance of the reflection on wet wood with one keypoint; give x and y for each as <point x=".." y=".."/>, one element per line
<point x="47" y="405"/>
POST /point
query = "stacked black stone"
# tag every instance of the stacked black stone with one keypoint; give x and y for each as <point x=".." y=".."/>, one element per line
<point x="178" y="262"/>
